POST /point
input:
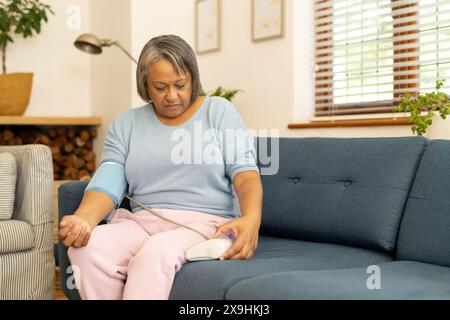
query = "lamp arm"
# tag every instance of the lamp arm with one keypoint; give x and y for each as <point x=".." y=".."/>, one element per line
<point x="117" y="44"/>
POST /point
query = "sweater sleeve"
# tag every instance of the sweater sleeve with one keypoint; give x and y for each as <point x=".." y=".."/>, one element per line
<point x="237" y="144"/>
<point x="109" y="178"/>
<point x="117" y="140"/>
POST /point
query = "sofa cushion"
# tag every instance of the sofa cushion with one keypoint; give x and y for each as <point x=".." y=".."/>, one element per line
<point x="8" y="176"/>
<point x="347" y="191"/>
<point x="15" y="235"/>
<point x="211" y="279"/>
<point x="398" y="280"/>
<point x="425" y="229"/>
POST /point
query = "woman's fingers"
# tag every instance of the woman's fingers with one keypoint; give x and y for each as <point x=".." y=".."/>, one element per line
<point x="80" y="238"/>
<point x="64" y="226"/>
<point x="65" y="221"/>
<point x="86" y="239"/>
<point x="63" y="232"/>
<point x="72" y="235"/>
<point x="74" y="232"/>
<point x="245" y="253"/>
<point x="235" y="249"/>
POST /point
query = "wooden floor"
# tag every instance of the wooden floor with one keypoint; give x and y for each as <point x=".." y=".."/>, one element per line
<point x="59" y="295"/>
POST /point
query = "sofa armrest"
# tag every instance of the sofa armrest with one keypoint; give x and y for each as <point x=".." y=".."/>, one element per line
<point x="34" y="187"/>
<point x="69" y="198"/>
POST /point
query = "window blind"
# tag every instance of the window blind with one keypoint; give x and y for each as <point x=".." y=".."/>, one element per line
<point x="369" y="52"/>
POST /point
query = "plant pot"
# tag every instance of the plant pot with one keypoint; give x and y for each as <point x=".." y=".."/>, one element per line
<point x="15" y="92"/>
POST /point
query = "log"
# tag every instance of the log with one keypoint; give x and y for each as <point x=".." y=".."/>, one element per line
<point x="16" y="141"/>
<point x="51" y="133"/>
<point x="79" y="163"/>
<point x="8" y="134"/>
<point x="61" y="131"/>
<point x="70" y="173"/>
<point x="90" y="166"/>
<point x="68" y="147"/>
<point x="43" y="138"/>
<point x="93" y="133"/>
<point x="85" y="136"/>
<point x="79" y="142"/>
<point x="62" y="160"/>
<point x="56" y="167"/>
<point x="70" y="134"/>
<point x="80" y="152"/>
<point x="72" y="161"/>
<point x="28" y="137"/>
<point x="71" y="147"/>
<point x="56" y="143"/>
<point x="62" y="139"/>
<point x="56" y="151"/>
<point x="84" y="175"/>
<point x="89" y="156"/>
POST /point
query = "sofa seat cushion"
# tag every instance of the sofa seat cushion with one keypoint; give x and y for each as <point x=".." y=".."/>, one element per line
<point x="8" y="177"/>
<point x="398" y="280"/>
<point x="211" y="279"/>
<point x="15" y="235"/>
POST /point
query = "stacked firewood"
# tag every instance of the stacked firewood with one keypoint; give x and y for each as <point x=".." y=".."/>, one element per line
<point x="72" y="147"/>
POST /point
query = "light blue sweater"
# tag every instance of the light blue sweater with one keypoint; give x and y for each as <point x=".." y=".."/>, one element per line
<point x="188" y="167"/>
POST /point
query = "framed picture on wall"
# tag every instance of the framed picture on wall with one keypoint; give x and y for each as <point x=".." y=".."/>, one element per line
<point x="267" y="19"/>
<point x="207" y="26"/>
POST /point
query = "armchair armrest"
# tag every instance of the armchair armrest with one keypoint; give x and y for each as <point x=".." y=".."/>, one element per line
<point x="34" y="187"/>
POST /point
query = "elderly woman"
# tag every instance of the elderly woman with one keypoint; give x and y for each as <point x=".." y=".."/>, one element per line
<point x="136" y="254"/>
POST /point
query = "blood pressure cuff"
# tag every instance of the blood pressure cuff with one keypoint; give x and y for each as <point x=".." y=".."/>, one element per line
<point x="109" y="178"/>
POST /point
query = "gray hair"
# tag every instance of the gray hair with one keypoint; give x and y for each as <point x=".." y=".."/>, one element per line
<point x="175" y="50"/>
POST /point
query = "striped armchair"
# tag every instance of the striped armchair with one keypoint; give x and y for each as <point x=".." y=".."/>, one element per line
<point x="27" y="263"/>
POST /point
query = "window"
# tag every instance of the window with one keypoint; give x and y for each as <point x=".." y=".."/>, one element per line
<point x="369" y="52"/>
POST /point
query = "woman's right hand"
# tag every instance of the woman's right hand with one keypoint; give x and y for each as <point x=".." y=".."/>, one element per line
<point x="74" y="231"/>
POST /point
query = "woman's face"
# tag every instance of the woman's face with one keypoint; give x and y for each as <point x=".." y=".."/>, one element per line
<point x="170" y="92"/>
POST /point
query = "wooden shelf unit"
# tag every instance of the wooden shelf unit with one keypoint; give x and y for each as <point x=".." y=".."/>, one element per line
<point x="50" y="121"/>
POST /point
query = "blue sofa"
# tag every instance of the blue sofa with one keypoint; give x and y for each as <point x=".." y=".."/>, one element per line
<point x="365" y="218"/>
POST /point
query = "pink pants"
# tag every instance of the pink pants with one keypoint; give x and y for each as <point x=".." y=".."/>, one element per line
<point x="136" y="255"/>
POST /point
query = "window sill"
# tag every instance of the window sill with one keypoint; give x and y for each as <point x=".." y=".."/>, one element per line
<point x="351" y="123"/>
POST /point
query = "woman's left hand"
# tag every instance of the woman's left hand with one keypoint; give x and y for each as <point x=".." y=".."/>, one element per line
<point x="246" y="230"/>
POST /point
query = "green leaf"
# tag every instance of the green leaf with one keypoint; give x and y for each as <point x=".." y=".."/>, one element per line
<point x="224" y="93"/>
<point x="22" y="17"/>
<point x="431" y="102"/>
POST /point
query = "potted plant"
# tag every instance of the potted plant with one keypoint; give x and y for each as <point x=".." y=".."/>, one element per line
<point x="21" y="17"/>
<point x="430" y="103"/>
<point x="221" y="92"/>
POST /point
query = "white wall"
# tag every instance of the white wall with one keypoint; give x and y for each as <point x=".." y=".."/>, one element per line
<point x="68" y="82"/>
<point x="263" y="70"/>
<point x="109" y="78"/>
<point x="151" y="18"/>
<point x="276" y="75"/>
<point x="61" y="72"/>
